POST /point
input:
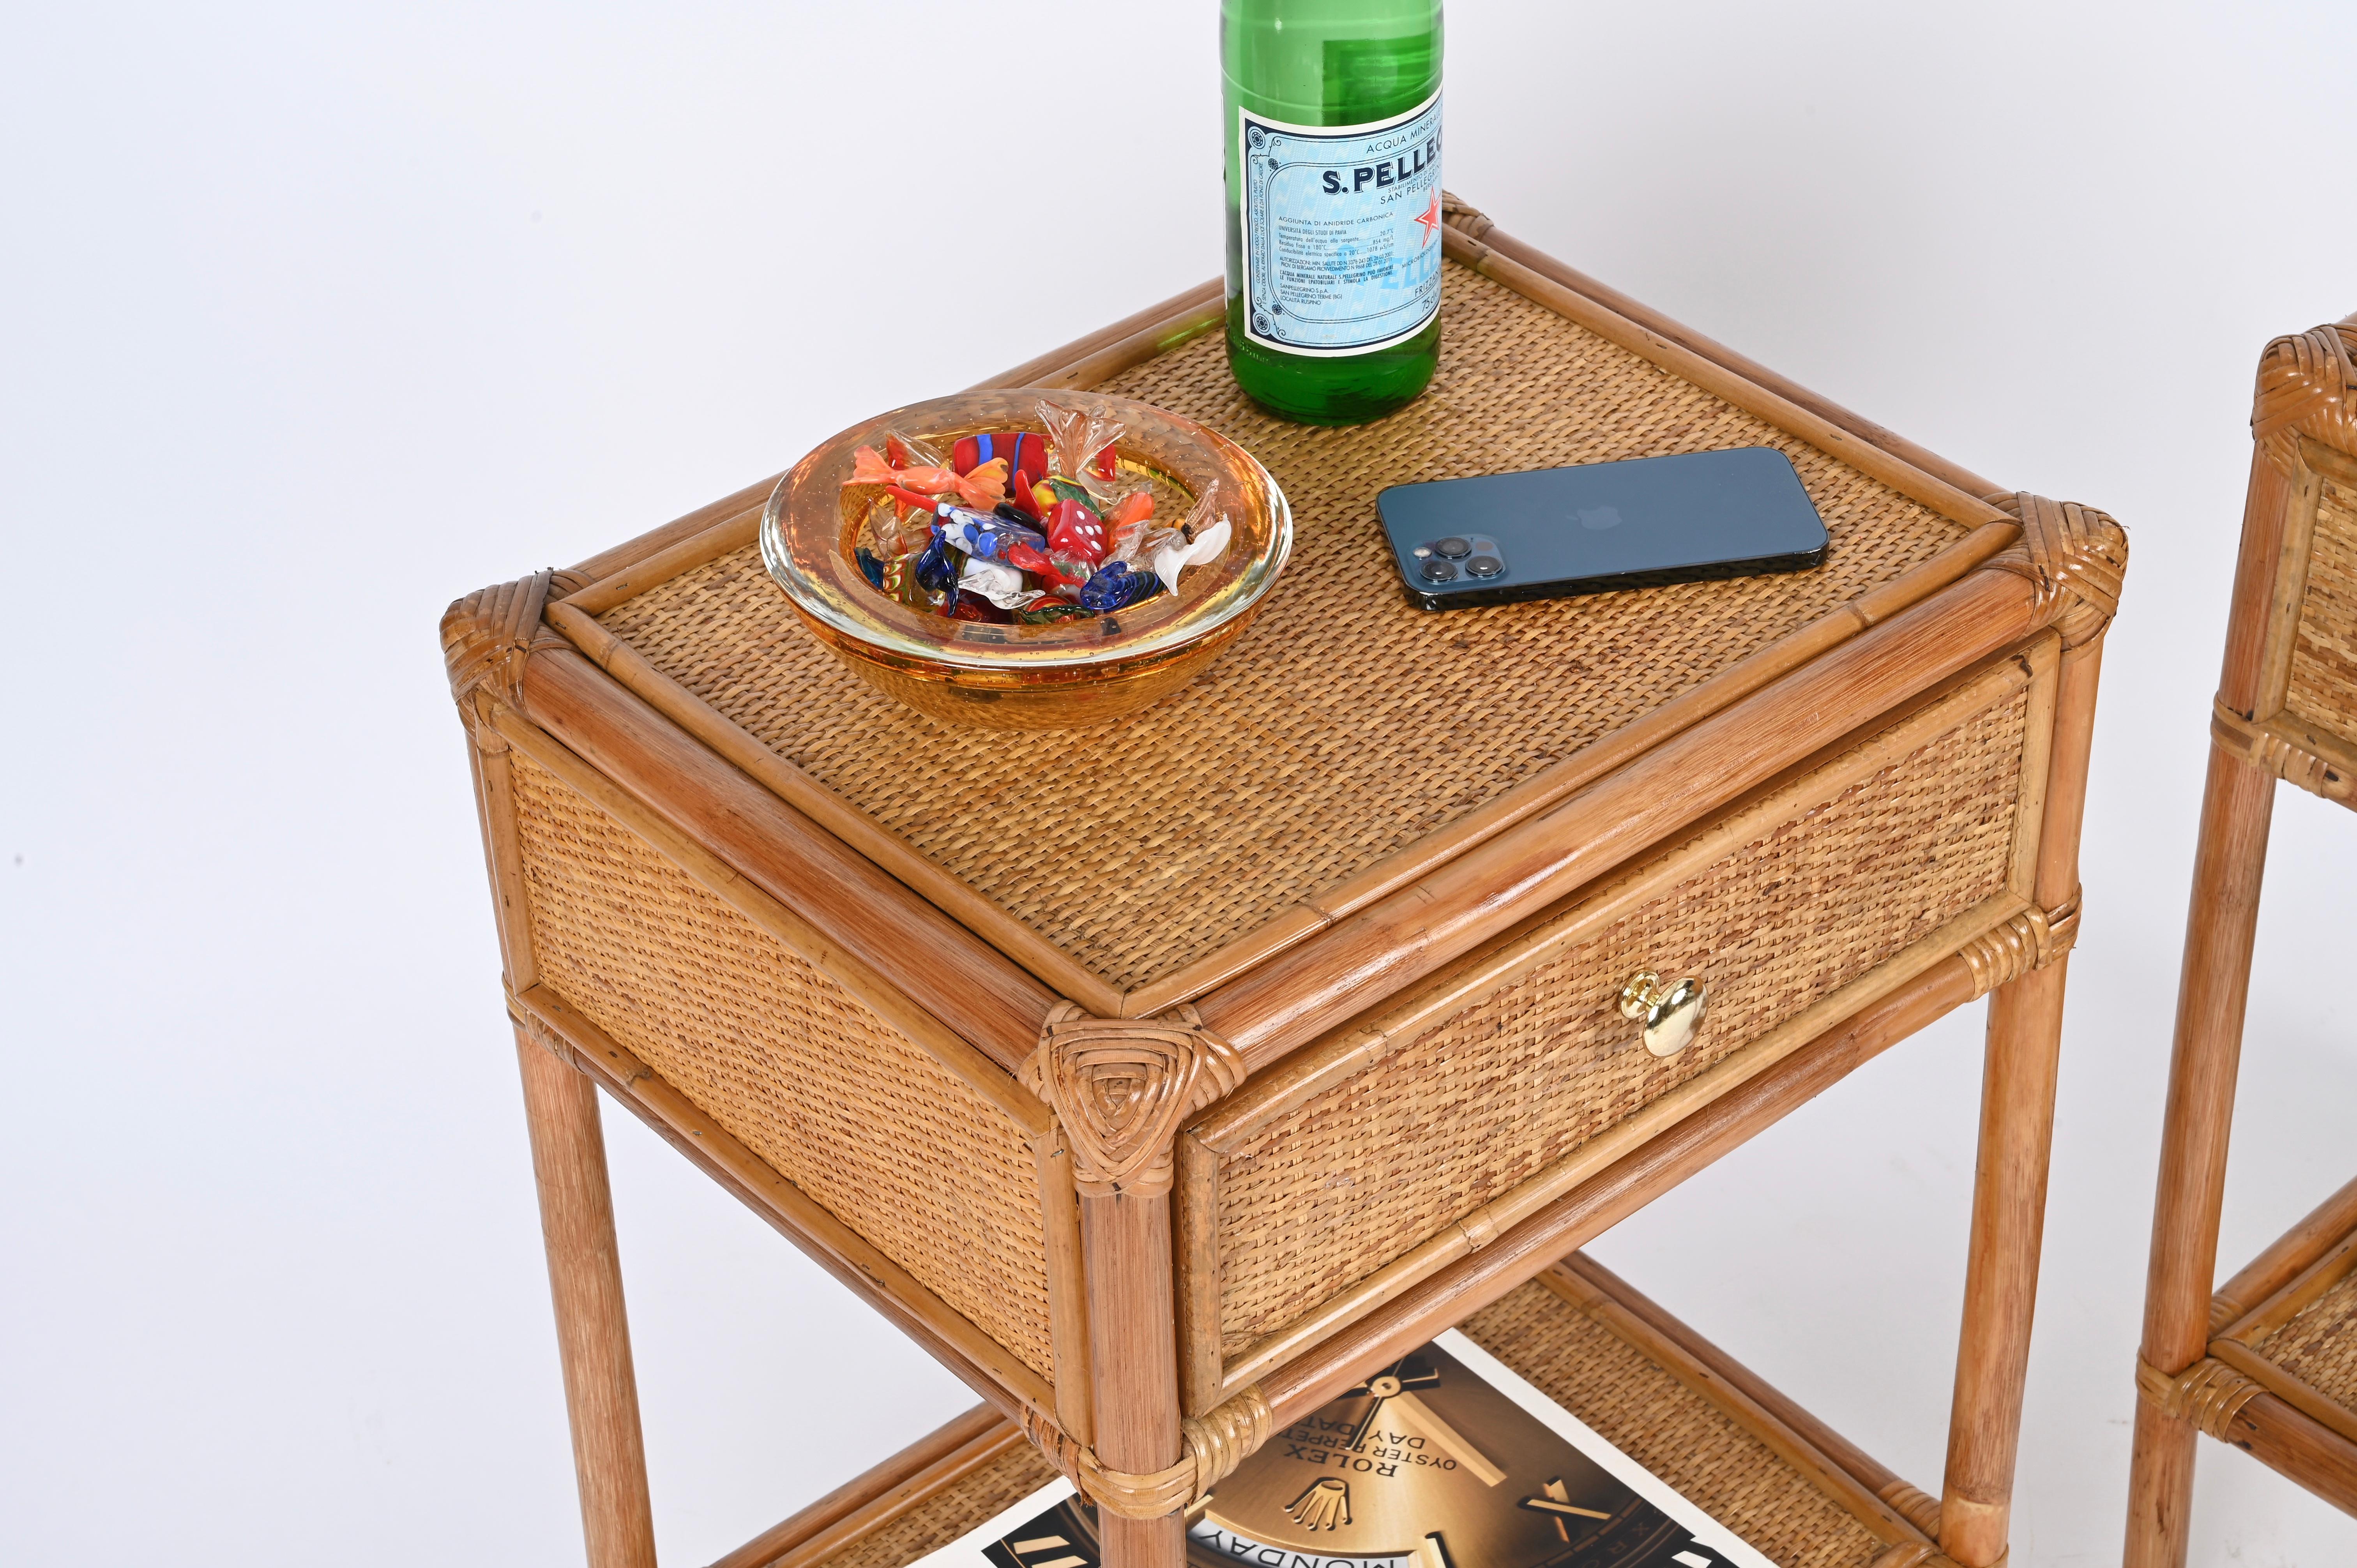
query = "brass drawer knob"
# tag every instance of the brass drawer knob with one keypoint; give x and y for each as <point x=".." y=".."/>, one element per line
<point x="1671" y="1016"/>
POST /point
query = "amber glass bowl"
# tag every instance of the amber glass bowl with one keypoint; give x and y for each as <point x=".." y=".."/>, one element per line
<point x="1058" y="676"/>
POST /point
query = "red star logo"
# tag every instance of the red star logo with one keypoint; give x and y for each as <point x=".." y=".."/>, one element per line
<point x="1430" y="218"/>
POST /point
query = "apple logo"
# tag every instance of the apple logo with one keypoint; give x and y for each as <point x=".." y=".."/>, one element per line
<point x="1600" y="516"/>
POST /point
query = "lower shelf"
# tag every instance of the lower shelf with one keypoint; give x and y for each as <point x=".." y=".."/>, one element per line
<point x="2280" y="1381"/>
<point x="1649" y="1384"/>
<point x="923" y="1497"/>
<point x="2317" y="1346"/>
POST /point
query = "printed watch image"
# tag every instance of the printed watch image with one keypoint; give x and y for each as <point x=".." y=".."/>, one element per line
<point x="1423" y="1465"/>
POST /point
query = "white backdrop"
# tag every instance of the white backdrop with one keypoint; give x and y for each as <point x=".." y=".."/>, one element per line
<point x="312" y="318"/>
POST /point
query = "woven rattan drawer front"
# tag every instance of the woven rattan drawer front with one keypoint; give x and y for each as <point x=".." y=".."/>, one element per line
<point x="838" y="1103"/>
<point x="2323" y="687"/>
<point x="1836" y="879"/>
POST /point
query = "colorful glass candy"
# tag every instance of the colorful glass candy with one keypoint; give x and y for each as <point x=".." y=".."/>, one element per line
<point x="1022" y="451"/>
<point x="1073" y="530"/>
<point x="970" y="605"/>
<point x="1015" y="527"/>
<point x="1116" y="586"/>
<point x="997" y="580"/>
<point x="935" y="572"/>
<point x="984" y="488"/>
<point x="988" y="536"/>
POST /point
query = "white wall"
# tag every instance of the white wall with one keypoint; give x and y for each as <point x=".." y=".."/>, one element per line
<point x="312" y="318"/>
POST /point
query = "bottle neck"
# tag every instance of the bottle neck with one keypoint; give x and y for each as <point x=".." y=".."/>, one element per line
<point x="1330" y="62"/>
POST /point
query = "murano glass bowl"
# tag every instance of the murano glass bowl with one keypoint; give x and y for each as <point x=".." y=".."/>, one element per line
<point x="1057" y="676"/>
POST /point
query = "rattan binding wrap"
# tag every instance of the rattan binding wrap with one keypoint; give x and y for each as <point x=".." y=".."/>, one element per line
<point x="2031" y="939"/>
<point x="2208" y="1394"/>
<point x="1264" y="783"/>
<point x="489" y="634"/>
<point x="1214" y="1444"/>
<point x="2307" y="387"/>
<point x="808" y="1079"/>
<point x="2263" y="747"/>
<point x="1324" y="1195"/>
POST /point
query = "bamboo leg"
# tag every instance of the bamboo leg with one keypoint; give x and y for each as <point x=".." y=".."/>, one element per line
<point x="2212" y="991"/>
<point x="593" y="1334"/>
<point x="2017" y="1138"/>
<point x="1133" y="1352"/>
<point x="2025" y="1033"/>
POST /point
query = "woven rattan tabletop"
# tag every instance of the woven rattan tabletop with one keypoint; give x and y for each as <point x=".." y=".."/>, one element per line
<point x="1345" y="726"/>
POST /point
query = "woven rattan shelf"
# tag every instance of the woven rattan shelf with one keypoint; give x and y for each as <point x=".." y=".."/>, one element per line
<point x="1162" y="1095"/>
<point x="1654" y="1388"/>
<point x="2268" y="1363"/>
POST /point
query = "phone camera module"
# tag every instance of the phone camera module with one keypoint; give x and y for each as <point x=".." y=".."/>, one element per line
<point x="1437" y="571"/>
<point x="1454" y="547"/>
<point x="1484" y="566"/>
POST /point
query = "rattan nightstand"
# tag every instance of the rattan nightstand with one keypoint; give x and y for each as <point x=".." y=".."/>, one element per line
<point x="2268" y="1363"/>
<point x="1164" y="1082"/>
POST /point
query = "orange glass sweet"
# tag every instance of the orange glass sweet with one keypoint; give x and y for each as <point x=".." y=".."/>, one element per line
<point x="1060" y="675"/>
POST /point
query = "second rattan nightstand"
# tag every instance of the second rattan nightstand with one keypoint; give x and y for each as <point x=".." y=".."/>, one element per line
<point x="2268" y="1363"/>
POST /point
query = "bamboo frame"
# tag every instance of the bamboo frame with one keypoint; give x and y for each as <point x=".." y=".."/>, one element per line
<point x="1135" y="1404"/>
<point x="2198" y="1370"/>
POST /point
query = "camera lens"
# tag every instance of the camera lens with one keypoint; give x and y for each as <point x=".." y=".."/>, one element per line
<point x="1454" y="547"/>
<point x="1484" y="566"/>
<point x="1437" y="571"/>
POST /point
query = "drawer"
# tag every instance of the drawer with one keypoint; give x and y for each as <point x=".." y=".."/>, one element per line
<point x="1411" y="1136"/>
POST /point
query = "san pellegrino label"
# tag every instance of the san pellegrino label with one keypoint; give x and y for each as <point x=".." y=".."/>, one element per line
<point x="1341" y="230"/>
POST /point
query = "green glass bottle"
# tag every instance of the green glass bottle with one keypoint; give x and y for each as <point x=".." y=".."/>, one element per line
<point x="1334" y="172"/>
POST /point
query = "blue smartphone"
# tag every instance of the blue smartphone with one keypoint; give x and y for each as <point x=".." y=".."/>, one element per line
<point x="1600" y="526"/>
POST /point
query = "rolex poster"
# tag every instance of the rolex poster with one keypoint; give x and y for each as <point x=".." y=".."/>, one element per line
<point x="1445" y="1459"/>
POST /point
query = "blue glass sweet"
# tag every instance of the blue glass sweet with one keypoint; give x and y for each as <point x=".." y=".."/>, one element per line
<point x="1116" y="586"/>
